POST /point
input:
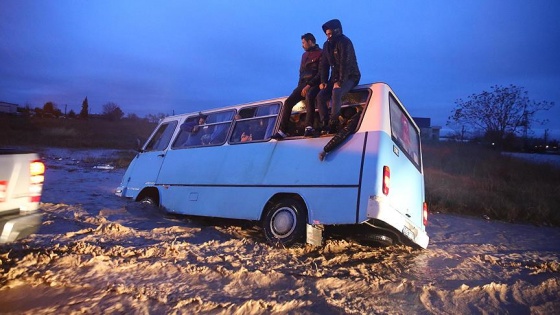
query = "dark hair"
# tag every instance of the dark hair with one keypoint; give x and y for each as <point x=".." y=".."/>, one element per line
<point x="308" y="36"/>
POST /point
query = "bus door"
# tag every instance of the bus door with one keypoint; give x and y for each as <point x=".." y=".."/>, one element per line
<point x="148" y="162"/>
<point x="407" y="178"/>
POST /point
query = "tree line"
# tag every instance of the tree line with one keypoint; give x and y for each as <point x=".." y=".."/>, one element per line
<point x="110" y="111"/>
<point x="501" y="115"/>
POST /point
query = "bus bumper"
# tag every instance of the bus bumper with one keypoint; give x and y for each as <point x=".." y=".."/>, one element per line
<point x="379" y="208"/>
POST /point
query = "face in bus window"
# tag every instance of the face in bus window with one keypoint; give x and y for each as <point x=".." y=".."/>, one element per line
<point x="405" y="132"/>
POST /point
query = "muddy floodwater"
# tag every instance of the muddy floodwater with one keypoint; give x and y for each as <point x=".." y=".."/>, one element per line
<point x="96" y="253"/>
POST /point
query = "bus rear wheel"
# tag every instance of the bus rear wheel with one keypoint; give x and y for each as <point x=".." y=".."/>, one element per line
<point x="284" y="222"/>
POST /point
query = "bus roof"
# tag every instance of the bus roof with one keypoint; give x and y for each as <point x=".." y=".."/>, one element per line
<point x="237" y="106"/>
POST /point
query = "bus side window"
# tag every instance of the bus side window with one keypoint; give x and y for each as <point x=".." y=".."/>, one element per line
<point x="241" y="131"/>
<point x="204" y="129"/>
<point x="220" y="124"/>
<point x="272" y="112"/>
<point x="254" y="123"/>
<point x="162" y="136"/>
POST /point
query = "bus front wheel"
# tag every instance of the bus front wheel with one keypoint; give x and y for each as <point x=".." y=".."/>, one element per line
<point x="284" y="222"/>
<point x="148" y="201"/>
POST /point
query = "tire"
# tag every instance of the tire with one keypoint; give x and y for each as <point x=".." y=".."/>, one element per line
<point x="284" y="223"/>
<point x="148" y="201"/>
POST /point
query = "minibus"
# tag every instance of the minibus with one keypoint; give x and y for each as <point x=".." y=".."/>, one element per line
<point x="223" y="163"/>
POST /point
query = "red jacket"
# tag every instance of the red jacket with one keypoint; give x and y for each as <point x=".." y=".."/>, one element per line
<point x="309" y="68"/>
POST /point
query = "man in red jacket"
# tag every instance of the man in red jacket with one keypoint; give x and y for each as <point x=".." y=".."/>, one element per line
<point x="307" y="88"/>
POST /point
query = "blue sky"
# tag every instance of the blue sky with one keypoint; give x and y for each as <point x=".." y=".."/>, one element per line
<point x="169" y="57"/>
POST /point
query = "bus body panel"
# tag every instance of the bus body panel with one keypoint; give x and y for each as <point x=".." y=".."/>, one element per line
<point x="191" y="175"/>
<point x="201" y="200"/>
<point x="141" y="173"/>
<point x="264" y="163"/>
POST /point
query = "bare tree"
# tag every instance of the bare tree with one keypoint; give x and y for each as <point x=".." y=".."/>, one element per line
<point x="112" y="111"/>
<point x="502" y="112"/>
<point x="51" y="110"/>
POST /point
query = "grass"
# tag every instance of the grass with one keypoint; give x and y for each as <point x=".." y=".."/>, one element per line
<point x="475" y="180"/>
<point x="73" y="133"/>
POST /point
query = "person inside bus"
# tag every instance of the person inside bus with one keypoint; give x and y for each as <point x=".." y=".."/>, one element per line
<point x="257" y="129"/>
<point x="349" y="120"/>
<point x="339" y="59"/>
<point x="248" y="130"/>
<point x="298" y="124"/>
<point x="192" y="128"/>
<point x="242" y="130"/>
<point x="307" y="88"/>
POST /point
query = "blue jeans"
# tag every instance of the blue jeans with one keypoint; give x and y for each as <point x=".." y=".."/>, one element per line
<point x="335" y="96"/>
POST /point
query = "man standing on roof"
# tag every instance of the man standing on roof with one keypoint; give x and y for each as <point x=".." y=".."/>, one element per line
<point x="307" y="88"/>
<point x="339" y="59"/>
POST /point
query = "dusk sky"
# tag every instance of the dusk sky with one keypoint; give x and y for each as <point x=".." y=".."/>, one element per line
<point x="168" y="57"/>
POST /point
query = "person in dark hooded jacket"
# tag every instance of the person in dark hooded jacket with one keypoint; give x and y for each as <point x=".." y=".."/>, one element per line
<point x="338" y="60"/>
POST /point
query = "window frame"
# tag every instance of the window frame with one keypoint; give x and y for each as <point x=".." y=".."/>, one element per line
<point x="400" y="137"/>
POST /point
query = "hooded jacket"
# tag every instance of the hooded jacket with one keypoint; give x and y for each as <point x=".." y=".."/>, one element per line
<point x="309" y="67"/>
<point x="339" y="56"/>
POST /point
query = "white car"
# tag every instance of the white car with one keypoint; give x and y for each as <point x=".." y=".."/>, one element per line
<point x="22" y="174"/>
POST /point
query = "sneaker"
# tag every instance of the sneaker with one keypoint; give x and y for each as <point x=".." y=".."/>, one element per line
<point x="279" y="135"/>
<point x="308" y="132"/>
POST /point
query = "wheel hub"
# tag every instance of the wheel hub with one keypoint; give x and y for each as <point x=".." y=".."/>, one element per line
<point x="283" y="222"/>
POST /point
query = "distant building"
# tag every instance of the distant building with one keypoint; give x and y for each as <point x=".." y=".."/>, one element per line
<point x="427" y="131"/>
<point x="8" y="108"/>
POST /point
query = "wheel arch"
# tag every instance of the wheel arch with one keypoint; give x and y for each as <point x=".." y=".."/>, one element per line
<point x="151" y="192"/>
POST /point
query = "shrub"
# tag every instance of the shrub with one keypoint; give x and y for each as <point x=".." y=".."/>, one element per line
<point x="475" y="180"/>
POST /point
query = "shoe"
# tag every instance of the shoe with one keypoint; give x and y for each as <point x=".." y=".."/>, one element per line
<point x="279" y="135"/>
<point x="308" y="132"/>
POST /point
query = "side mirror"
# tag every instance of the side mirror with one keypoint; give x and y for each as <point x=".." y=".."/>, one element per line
<point x="138" y="147"/>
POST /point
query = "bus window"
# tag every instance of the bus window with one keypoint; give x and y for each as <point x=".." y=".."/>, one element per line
<point x="217" y="127"/>
<point x="255" y="123"/>
<point x="161" y="137"/>
<point x="207" y="129"/>
<point x="190" y="133"/>
<point x="404" y="133"/>
<point x="356" y="97"/>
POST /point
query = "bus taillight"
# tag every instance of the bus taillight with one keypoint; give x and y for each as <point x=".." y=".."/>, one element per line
<point x="386" y="179"/>
<point x="425" y="214"/>
<point x="37" y="172"/>
<point x="3" y="190"/>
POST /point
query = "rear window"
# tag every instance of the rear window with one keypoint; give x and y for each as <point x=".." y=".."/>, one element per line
<point x="403" y="132"/>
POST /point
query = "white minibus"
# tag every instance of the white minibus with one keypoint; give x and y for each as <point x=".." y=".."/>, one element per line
<point x="224" y="163"/>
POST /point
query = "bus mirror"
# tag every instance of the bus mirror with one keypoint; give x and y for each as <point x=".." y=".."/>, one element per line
<point x="138" y="146"/>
